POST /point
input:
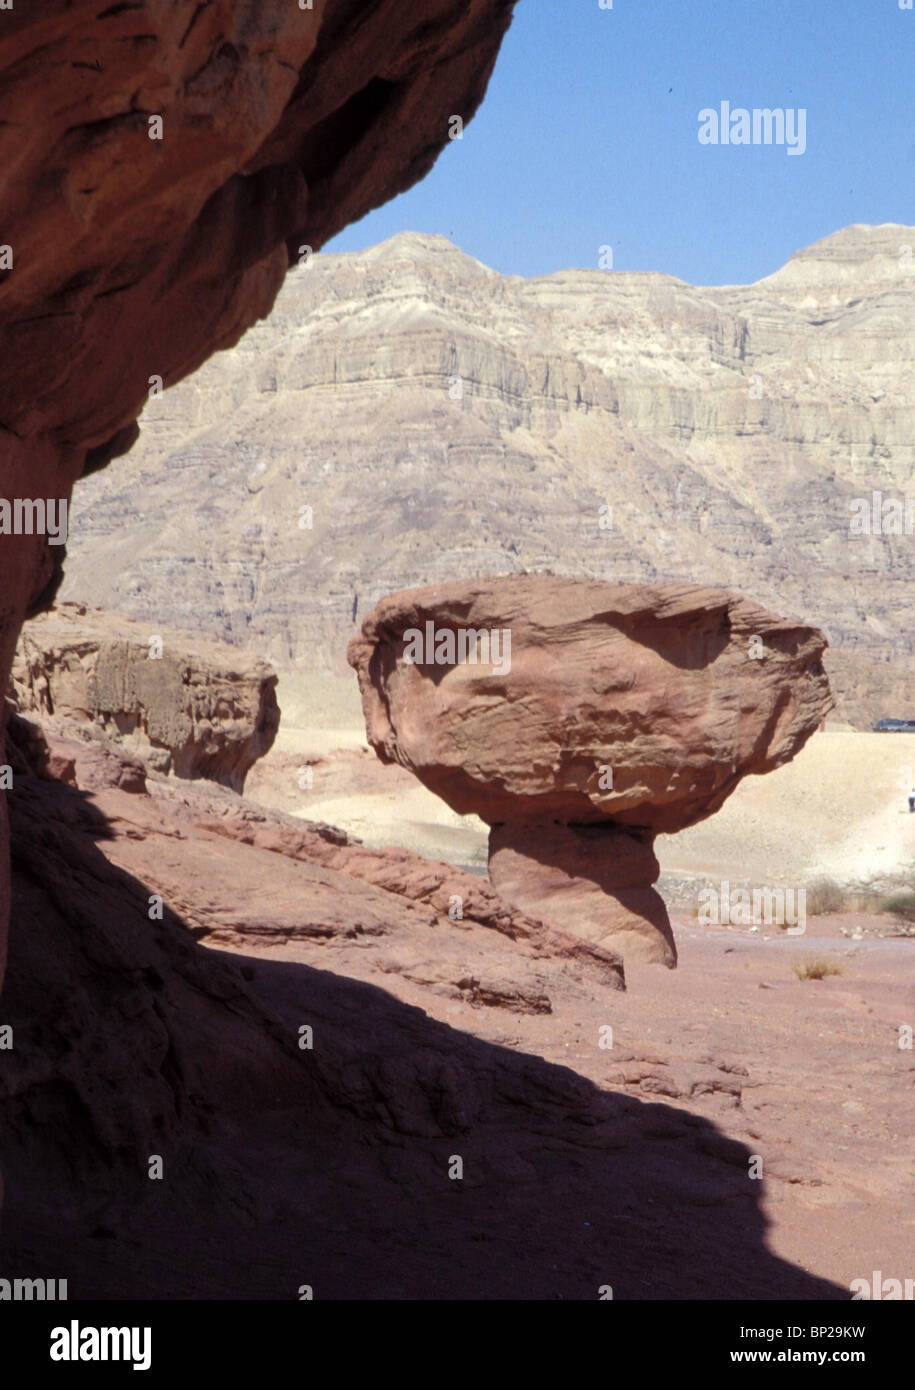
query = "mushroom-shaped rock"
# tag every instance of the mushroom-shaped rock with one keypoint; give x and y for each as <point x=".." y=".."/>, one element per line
<point x="579" y="719"/>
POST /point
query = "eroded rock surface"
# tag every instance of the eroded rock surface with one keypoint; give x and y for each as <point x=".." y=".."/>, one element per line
<point x="586" y="719"/>
<point x="162" y="164"/>
<point x="178" y="156"/>
<point x="189" y="705"/>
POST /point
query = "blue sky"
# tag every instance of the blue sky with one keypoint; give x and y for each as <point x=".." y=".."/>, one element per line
<point x="588" y="137"/>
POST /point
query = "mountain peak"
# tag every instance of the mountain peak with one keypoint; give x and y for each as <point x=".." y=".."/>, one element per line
<point x="856" y="255"/>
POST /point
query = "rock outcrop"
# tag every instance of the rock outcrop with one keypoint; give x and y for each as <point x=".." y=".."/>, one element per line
<point x="624" y="426"/>
<point x="579" y="720"/>
<point x="161" y="166"/>
<point x="180" y="157"/>
<point x="190" y="706"/>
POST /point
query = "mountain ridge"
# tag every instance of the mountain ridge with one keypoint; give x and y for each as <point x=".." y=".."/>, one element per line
<point x="443" y="421"/>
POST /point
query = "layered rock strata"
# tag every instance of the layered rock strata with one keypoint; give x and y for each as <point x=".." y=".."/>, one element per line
<point x="614" y="424"/>
<point x="186" y="704"/>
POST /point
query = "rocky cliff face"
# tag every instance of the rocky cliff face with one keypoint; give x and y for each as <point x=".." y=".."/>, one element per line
<point x="189" y="706"/>
<point x="408" y="416"/>
<point x="161" y="165"/>
<point x="178" y="155"/>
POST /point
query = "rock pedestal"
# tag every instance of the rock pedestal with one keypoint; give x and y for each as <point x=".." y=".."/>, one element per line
<point x="581" y="719"/>
<point x="592" y="880"/>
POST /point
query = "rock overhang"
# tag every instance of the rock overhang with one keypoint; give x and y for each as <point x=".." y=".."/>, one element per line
<point x="677" y="691"/>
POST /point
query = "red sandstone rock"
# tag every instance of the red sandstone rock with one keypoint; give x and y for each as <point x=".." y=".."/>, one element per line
<point x="134" y="258"/>
<point x="185" y="704"/>
<point x="594" y="880"/>
<point x="601" y="715"/>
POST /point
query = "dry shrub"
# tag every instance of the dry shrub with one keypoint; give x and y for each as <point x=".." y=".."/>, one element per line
<point x="864" y="901"/>
<point x="902" y="907"/>
<point x="815" y="969"/>
<point x="824" y="895"/>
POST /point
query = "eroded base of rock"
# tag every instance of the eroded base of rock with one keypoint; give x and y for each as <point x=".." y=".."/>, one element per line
<point x="592" y="880"/>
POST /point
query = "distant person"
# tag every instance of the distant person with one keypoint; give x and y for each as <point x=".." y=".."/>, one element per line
<point x="912" y="800"/>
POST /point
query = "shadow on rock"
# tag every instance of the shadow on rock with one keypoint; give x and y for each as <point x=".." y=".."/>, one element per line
<point x="137" y="1050"/>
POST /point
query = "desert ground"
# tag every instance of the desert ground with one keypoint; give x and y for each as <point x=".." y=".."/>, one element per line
<point x="276" y="1023"/>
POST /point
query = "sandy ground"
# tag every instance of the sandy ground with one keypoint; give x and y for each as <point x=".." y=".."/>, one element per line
<point x="825" y="1092"/>
<point x="840" y="809"/>
<point x="744" y="1132"/>
<point x="322" y="741"/>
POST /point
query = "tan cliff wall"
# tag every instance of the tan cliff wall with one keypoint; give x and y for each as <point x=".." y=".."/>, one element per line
<point x="441" y="420"/>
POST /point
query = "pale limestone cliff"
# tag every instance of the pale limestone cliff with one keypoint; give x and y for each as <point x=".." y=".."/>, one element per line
<point x="407" y="415"/>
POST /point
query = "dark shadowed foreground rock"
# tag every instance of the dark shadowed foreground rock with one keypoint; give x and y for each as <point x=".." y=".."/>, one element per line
<point x="181" y="1034"/>
<point x="186" y="704"/>
<point x="580" y="720"/>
